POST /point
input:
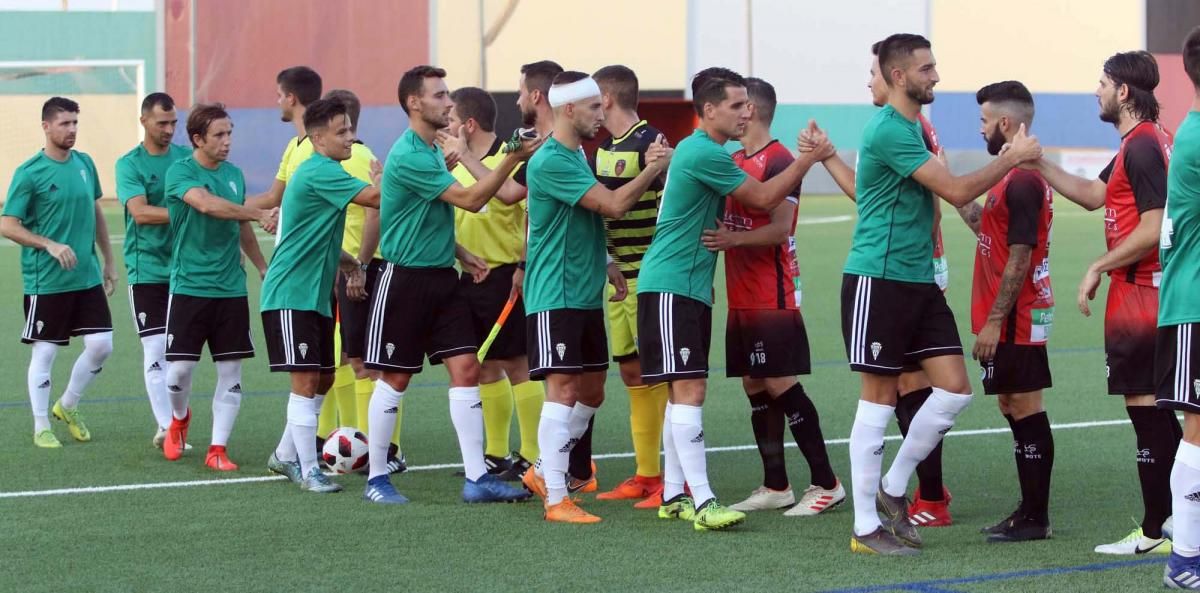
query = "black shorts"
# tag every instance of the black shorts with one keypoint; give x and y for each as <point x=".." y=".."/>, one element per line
<point x="222" y="323"/>
<point x="674" y="336"/>
<point x="1130" y="335"/>
<point x="765" y="343"/>
<point x="148" y="302"/>
<point x="416" y="312"/>
<point x="890" y="326"/>
<point x="1177" y="368"/>
<point x="352" y="315"/>
<point x="298" y="341"/>
<point x="486" y="300"/>
<point x="566" y="341"/>
<point x="1016" y="369"/>
<point x="56" y="317"/>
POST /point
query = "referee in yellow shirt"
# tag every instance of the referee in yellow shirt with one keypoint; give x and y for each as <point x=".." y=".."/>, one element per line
<point x="497" y="235"/>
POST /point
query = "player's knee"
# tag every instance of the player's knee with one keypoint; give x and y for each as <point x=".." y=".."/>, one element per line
<point x="777" y="386"/>
<point x="464" y="371"/>
<point x="631" y="373"/>
<point x="99" y="346"/>
<point x="1024" y="405"/>
<point x="324" y="383"/>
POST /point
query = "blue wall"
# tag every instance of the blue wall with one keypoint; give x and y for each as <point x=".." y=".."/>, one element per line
<point x="1063" y="120"/>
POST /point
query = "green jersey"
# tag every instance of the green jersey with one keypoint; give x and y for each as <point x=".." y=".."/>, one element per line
<point x="701" y="174"/>
<point x="417" y="229"/>
<point x="147" y="246"/>
<point x="301" y="274"/>
<point x="207" y="258"/>
<point x="566" y="256"/>
<point x="895" y="213"/>
<point x="57" y="200"/>
<point x="1179" y="243"/>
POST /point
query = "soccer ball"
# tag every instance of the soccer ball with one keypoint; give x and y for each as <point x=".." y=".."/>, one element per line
<point x="345" y="450"/>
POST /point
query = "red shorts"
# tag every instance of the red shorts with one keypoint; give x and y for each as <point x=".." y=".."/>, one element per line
<point x="1130" y="332"/>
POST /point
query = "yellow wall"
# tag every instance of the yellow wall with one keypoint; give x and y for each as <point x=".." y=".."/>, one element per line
<point x="977" y="42"/>
<point x="108" y="128"/>
<point x="585" y="37"/>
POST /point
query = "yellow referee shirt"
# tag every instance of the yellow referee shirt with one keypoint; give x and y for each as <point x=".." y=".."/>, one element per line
<point x="298" y="150"/>
<point x="358" y="165"/>
<point x="497" y="232"/>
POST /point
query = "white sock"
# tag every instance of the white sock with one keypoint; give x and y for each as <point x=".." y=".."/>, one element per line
<point x="866" y="462"/>
<point x="687" y="428"/>
<point x="96" y="349"/>
<point x="41" y="361"/>
<point x="179" y="386"/>
<point x="672" y="472"/>
<point x="154" y="368"/>
<point x="286" y="449"/>
<point x="581" y="415"/>
<point x="303" y="424"/>
<point x="554" y="441"/>
<point x="381" y="421"/>
<point x="466" y="413"/>
<point x="227" y="400"/>
<point x="1185" y="482"/>
<point x="932" y="421"/>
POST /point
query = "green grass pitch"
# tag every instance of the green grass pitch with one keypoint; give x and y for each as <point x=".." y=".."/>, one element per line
<point x="269" y="536"/>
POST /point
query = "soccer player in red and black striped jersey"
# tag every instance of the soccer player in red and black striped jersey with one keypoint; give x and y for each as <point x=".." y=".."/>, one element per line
<point x="765" y="340"/>
<point x="931" y="501"/>
<point x="1132" y="189"/>
<point x="1012" y="307"/>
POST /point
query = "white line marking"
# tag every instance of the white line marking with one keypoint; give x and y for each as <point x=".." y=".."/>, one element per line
<point x="443" y="466"/>
<point x="825" y="219"/>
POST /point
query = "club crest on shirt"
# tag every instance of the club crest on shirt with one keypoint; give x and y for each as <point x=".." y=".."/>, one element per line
<point x="1195" y="386"/>
<point x="142" y="319"/>
<point x="876" y="348"/>
<point x="170" y="339"/>
<point x="561" y="349"/>
<point x="83" y="175"/>
<point x="390" y="349"/>
<point x="303" y="348"/>
<point x="684" y="353"/>
<point x="40" y="325"/>
<point x="233" y="187"/>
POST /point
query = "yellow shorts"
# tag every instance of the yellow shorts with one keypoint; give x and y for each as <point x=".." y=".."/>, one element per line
<point x="622" y="323"/>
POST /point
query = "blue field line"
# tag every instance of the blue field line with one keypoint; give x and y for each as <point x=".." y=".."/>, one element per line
<point x="941" y="585"/>
<point x="613" y="372"/>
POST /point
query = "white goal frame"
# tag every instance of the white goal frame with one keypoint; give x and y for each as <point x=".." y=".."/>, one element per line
<point x="139" y="65"/>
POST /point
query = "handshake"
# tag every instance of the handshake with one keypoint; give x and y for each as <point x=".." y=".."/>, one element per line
<point x="813" y="143"/>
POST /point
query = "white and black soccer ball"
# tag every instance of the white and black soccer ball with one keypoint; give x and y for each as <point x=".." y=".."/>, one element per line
<point x="345" y="450"/>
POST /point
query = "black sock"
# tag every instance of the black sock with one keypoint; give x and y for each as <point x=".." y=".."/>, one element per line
<point x="929" y="471"/>
<point x="1157" y="439"/>
<point x="580" y="465"/>
<point x="766" y="418"/>
<point x="1021" y="479"/>
<point x="805" y="424"/>
<point x="1035" y="464"/>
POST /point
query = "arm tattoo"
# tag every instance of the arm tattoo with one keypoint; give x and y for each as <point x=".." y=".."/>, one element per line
<point x="972" y="214"/>
<point x="1015" y="270"/>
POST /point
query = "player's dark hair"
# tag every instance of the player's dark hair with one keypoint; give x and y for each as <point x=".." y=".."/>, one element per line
<point x="875" y="47"/>
<point x="160" y="100"/>
<point x="301" y="81"/>
<point x="895" y="48"/>
<point x="762" y="94"/>
<point x="472" y="102"/>
<point x="708" y="86"/>
<point x="1138" y="70"/>
<point x="56" y="105"/>
<point x="350" y="100"/>
<point x="1191" y="56"/>
<point x="1008" y="92"/>
<point x="202" y="116"/>
<point x="540" y="75"/>
<point x="620" y="82"/>
<point x="568" y="77"/>
<point x="320" y="112"/>
<point x="413" y="83"/>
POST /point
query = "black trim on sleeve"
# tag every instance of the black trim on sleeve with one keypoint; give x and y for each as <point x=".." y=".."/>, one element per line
<point x="1146" y="170"/>
<point x="1024" y="198"/>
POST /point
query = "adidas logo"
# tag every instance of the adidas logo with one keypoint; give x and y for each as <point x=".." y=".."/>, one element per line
<point x="477" y="406"/>
<point x="878" y="452"/>
<point x="155" y="367"/>
<point x="96" y="371"/>
<point x="237" y="388"/>
<point x="1193" y="497"/>
<point x="945" y="430"/>
<point x="391" y="410"/>
<point x="567" y="447"/>
<point x="53" y="187"/>
<point x="698" y="438"/>
<point x="45" y="384"/>
<point x="174" y="388"/>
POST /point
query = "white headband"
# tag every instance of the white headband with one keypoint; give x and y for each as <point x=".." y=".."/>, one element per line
<point x="584" y="88"/>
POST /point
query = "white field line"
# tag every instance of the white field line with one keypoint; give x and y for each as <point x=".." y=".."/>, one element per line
<point x="444" y="466"/>
<point x="825" y="219"/>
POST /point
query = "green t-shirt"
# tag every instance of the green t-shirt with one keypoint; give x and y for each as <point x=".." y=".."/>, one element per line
<point x="148" y="246"/>
<point x="701" y="174"/>
<point x="207" y="259"/>
<point x="895" y="213"/>
<point x="1179" y="243"/>
<point x="301" y="274"/>
<point x="566" y="255"/>
<point x="57" y="200"/>
<point x="417" y="229"/>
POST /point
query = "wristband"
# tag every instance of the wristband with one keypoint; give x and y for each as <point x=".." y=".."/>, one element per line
<point x="521" y="265"/>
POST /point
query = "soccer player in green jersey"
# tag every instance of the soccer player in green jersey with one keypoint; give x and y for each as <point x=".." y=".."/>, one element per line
<point x="675" y="291"/>
<point x="53" y="213"/>
<point x="894" y="315"/>
<point x="416" y="309"/>
<point x="141" y="179"/>
<point x="1176" y="364"/>
<point x="207" y="304"/>
<point x="564" y="284"/>
<point x="296" y="310"/>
